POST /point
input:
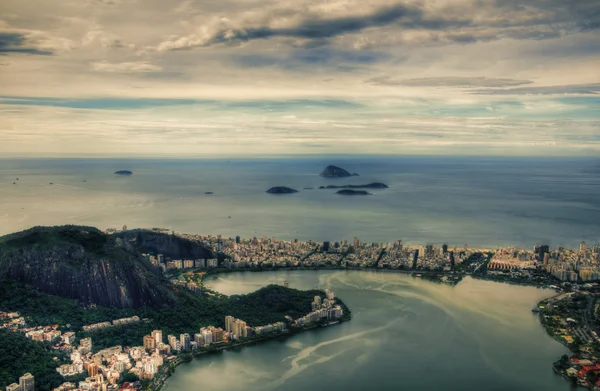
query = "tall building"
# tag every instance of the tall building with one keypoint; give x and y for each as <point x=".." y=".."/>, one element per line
<point x="184" y="340"/>
<point x="158" y="337"/>
<point x="13" y="387"/>
<point x="415" y="259"/>
<point x="325" y="246"/>
<point x="237" y="239"/>
<point x="92" y="369"/>
<point x="452" y="260"/>
<point x="149" y="342"/>
<point x="27" y="382"/>
<point x="356" y="242"/>
<point x="444" y="248"/>
<point x="582" y="247"/>
<point x="229" y="323"/>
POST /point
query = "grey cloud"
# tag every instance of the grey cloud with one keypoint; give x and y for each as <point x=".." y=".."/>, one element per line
<point x="448" y="82"/>
<point x="586" y="89"/>
<point x="17" y="43"/>
<point x="464" y="23"/>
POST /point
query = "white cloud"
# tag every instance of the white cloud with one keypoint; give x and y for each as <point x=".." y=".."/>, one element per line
<point x="125" y="67"/>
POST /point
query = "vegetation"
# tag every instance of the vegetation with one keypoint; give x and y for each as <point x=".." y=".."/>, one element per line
<point x="19" y="355"/>
<point x="190" y="313"/>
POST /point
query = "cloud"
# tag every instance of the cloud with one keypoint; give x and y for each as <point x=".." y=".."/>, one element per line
<point x="584" y="89"/>
<point x="461" y="22"/>
<point x="447" y="82"/>
<point x="17" y="43"/>
<point x="125" y="67"/>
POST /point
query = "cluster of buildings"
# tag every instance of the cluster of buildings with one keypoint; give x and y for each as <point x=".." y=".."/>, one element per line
<point x="26" y="383"/>
<point x="116" y="322"/>
<point x="322" y="309"/>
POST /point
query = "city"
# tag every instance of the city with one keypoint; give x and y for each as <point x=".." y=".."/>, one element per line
<point x="147" y="366"/>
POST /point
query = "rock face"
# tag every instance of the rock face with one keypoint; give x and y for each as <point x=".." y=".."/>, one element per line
<point x="335" y="172"/>
<point x="375" y="185"/>
<point x="141" y="240"/>
<point x="353" y="192"/>
<point x="85" y="264"/>
<point x="281" y="190"/>
<point x="123" y="172"/>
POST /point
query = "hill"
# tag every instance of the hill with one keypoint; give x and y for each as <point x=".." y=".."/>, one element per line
<point x="85" y="264"/>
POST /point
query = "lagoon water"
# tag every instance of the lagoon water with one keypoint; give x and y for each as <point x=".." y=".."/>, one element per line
<point x="406" y="334"/>
<point x="456" y="200"/>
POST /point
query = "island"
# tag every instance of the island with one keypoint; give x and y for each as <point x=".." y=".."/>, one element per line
<point x="335" y="172"/>
<point x="374" y="185"/>
<point x="281" y="190"/>
<point x="350" y="192"/>
<point x="123" y="172"/>
<point x="208" y="192"/>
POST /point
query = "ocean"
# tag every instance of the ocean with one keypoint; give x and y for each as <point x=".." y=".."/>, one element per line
<point x="478" y="201"/>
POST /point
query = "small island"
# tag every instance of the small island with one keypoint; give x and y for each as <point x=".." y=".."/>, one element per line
<point x="335" y="172"/>
<point x="208" y="192"/>
<point x="353" y="192"/>
<point x="123" y="172"/>
<point x="281" y="190"/>
<point x="374" y="185"/>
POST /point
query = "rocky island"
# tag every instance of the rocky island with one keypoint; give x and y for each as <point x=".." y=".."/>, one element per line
<point x="281" y="190"/>
<point x="374" y="185"/>
<point x="335" y="172"/>
<point x="123" y="172"/>
<point x="353" y="192"/>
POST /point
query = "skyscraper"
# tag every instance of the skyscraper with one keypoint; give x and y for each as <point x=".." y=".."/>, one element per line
<point x="184" y="340"/>
<point x="582" y="247"/>
<point x="237" y="239"/>
<point x="415" y="259"/>
<point x="229" y="323"/>
<point x="27" y="382"/>
<point x="356" y="242"/>
<point x="158" y="337"/>
<point x="444" y="248"/>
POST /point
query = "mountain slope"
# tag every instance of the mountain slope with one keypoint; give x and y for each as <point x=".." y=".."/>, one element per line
<point x="85" y="264"/>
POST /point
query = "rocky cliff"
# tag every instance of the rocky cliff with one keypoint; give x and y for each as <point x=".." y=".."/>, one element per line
<point x="88" y="265"/>
<point x="170" y="246"/>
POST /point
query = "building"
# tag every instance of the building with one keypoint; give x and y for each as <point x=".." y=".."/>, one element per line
<point x="27" y="382"/>
<point x="229" y="323"/>
<point x="158" y="337"/>
<point x="13" y="387"/>
<point x="184" y="341"/>
<point x="582" y="247"/>
<point x="85" y="345"/>
<point x="149" y="342"/>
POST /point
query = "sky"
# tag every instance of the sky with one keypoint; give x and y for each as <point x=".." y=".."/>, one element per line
<point x="263" y="77"/>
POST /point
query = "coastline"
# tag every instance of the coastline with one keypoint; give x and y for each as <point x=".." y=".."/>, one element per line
<point x="168" y="370"/>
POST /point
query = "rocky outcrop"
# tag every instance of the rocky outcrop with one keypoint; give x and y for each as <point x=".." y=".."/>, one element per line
<point x="281" y="190"/>
<point x="335" y="172"/>
<point x="375" y="185"/>
<point x="123" y="172"/>
<point x="85" y="264"/>
<point x="349" y="192"/>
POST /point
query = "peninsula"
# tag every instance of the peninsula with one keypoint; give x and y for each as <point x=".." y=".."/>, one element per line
<point x="281" y="190"/>
<point x="123" y="172"/>
<point x="72" y="285"/>
<point x="335" y="172"/>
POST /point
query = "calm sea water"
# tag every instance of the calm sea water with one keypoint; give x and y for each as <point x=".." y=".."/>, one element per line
<point x="478" y="201"/>
<point x="406" y="334"/>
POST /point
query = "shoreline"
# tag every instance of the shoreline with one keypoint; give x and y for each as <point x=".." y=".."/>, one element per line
<point x="170" y="370"/>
